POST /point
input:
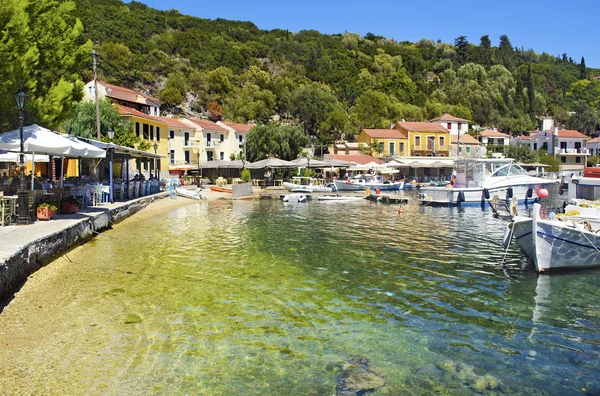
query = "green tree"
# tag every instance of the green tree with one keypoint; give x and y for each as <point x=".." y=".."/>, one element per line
<point x="313" y="104"/>
<point x="249" y="103"/>
<point x="505" y="52"/>
<point x="285" y="142"/>
<point x="83" y="123"/>
<point x="582" y="69"/>
<point x="485" y="51"/>
<point x="42" y="51"/>
<point x="521" y="153"/>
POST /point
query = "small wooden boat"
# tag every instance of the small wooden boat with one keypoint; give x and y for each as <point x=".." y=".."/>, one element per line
<point x="220" y="189"/>
<point x="340" y="198"/>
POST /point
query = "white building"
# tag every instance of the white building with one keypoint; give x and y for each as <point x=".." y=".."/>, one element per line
<point x="237" y="138"/>
<point x="454" y="124"/>
<point x="125" y="97"/>
<point x="568" y="145"/>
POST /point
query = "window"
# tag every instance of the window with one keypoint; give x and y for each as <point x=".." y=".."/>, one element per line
<point x="578" y="160"/>
<point x="417" y="141"/>
<point x="90" y="89"/>
<point x="431" y="143"/>
<point x="172" y="157"/>
<point x="401" y="147"/>
<point x="151" y="132"/>
<point x="534" y="146"/>
<point x="241" y="138"/>
<point x="563" y="145"/>
<point x="209" y="155"/>
<point x="563" y="159"/>
<point x="221" y="155"/>
<point x="145" y="130"/>
<point x="186" y="154"/>
<point x="137" y="129"/>
<point x="208" y="137"/>
<point x="449" y="126"/>
<point x="459" y="126"/>
<point x="171" y="134"/>
<point x="222" y="139"/>
<point x="468" y="149"/>
<point x="158" y="134"/>
<point x="442" y="142"/>
<point x="392" y="148"/>
<point x="186" y="138"/>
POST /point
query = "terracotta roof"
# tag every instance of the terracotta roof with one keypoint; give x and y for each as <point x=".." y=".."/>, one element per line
<point x="594" y="140"/>
<point x="464" y="139"/>
<point x="238" y="127"/>
<point x="384" y="133"/>
<point x="128" y="111"/>
<point x="205" y="124"/>
<point x="175" y="122"/>
<point x="449" y="117"/>
<point x="129" y="95"/>
<point x="564" y="133"/>
<point x="492" y="133"/>
<point x="524" y="137"/>
<point x="420" y="127"/>
<point x="358" y="158"/>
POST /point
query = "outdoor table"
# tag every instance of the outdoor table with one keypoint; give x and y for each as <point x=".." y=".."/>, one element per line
<point x="236" y="180"/>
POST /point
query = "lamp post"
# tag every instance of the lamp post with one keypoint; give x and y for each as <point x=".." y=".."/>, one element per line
<point x="20" y="99"/>
<point x="111" y="135"/>
<point x="155" y="161"/>
<point x="198" y="161"/>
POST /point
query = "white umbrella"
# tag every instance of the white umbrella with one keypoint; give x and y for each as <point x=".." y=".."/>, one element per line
<point x="338" y="163"/>
<point x="271" y="163"/>
<point x="312" y="163"/>
<point x="14" y="157"/>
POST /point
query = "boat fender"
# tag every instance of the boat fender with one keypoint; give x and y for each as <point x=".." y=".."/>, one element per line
<point x="486" y="193"/>
<point x="509" y="193"/>
<point x="347" y="181"/>
<point x="529" y="192"/>
<point x="461" y="197"/>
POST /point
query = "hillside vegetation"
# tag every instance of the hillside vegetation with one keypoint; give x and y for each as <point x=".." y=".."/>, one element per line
<point x="331" y="85"/>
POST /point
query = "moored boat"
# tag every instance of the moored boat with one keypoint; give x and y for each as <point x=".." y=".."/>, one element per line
<point x="340" y="198"/>
<point x="220" y="189"/>
<point x="192" y="194"/>
<point x="293" y="198"/>
<point x="479" y="178"/>
<point x="307" y="188"/>
<point x="362" y="182"/>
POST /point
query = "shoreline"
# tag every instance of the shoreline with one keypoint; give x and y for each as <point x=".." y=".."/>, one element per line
<point x="26" y="249"/>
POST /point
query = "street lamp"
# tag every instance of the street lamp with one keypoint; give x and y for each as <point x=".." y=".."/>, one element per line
<point x="20" y="99"/>
<point x="111" y="135"/>
<point x="156" y="163"/>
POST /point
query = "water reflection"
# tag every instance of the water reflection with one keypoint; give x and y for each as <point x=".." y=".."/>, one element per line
<point x="264" y="298"/>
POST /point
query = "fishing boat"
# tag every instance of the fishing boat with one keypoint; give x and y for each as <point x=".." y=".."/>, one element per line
<point x="362" y="182"/>
<point x="192" y="194"/>
<point x="220" y="189"/>
<point x="293" y="198"/>
<point x="559" y="242"/>
<point x="309" y="188"/>
<point x="478" y="178"/>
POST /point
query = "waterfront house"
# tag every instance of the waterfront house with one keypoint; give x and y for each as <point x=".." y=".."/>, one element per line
<point x="493" y="140"/>
<point x="593" y="146"/>
<point x="345" y="148"/>
<point x="454" y="124"/>
<point x="137" y="100"/>
<point x="234" y="145"/>
<point x="425" y="139"/>
<point x="391" y="142"/>
<point x="210" y="138"/>
<point x="152" y="130"/>
<point x="467" y="146"/>
<point x="181" y="154"/>
<point x="568" y="145"/>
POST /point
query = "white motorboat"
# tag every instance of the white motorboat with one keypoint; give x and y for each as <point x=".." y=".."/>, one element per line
<point x="192" y="194"/>
<point x="362" y="182"/>
<point x="293" y="198"/>
<point x="558" y="243"/>
<point x="479" y="178"/>
<point x="340" y="198"/>
<point x="309" y="188"/>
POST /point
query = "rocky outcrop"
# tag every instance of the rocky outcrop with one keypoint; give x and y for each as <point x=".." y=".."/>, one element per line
<point x="359" y="378"/>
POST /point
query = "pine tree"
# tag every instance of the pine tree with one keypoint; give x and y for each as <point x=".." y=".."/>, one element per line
<point x="485" y="51"/>
<point x="505" y="52"/>
<point x="582" y="70"/>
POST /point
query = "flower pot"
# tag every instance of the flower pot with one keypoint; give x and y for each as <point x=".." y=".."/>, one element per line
<point x="68" y="208"/>
<point x="45" y="213"/>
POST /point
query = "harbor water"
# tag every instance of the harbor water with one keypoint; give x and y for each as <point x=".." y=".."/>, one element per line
<point x="262" y="298"/>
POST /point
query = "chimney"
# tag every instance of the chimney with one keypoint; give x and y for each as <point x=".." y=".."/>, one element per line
<point x="555" y="131"/>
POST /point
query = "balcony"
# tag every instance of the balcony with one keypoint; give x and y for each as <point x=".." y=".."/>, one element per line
<point x="192" y="143"/>
<point x="575" y="151"/>
<point x="213" y="144"/>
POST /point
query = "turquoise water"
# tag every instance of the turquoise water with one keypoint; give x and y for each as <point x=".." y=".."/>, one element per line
<point x="266" y="298"/>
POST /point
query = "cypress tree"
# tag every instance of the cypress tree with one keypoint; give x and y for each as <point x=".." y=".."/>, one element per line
<point x="582" y="69"/>
<point x="530" y="91"/>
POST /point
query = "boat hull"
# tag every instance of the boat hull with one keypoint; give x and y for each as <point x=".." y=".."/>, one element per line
<point x="220" y="189"/>
<point x="474" y="196"/>
<point x="348" y="185"/>
<point x="191" y="194"/>
<point x="306" y="189"/>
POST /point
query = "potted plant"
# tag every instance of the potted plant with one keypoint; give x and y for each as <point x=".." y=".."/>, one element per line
<point x="46" y="211"/>
<point x="69" y="205"/>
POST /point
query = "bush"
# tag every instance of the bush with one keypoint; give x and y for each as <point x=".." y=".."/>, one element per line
<point x="72" y="200"/>
<point x="246" y="175"/>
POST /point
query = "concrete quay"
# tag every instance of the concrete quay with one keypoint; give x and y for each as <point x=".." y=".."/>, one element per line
<point x="24" y="249"/>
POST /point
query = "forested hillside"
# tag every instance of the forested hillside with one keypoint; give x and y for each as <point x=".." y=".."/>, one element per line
<point x="331" y="84"/>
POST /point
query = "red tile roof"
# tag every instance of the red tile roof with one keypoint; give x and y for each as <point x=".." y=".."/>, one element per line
<point x="129" y="95"/>
<point x="239" y="127"/>
<point x="175" y="122"/>
<point x="420" y="127"/>
<point x="128" y="111"/>
<point x="524" y="137"/>
<point x="492" y="133"/>
<point x="205" y="124"/>
<point x="594" y="140"/>
<point x="449" y="117"/>
<point x="360" y="159"/>
<point x="464" y="139"/>
<point x="564" y="133"/>
<point x="384" y="133"/>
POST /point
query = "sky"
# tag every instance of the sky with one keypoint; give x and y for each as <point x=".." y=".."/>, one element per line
<point x="544" y="26"/>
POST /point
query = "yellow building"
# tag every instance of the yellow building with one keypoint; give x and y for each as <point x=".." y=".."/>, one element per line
<point x="391" y="142"/>
<point x="425" y="139"/>
<point x="152" y="130"/>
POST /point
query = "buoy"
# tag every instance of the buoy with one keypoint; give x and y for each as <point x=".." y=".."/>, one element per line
<point x="542" y="193"/>
<point x="400" y="210"/>
<point x="529" y="192"/>
<point x="461" y="197"/>
<point x="486" y="193"/>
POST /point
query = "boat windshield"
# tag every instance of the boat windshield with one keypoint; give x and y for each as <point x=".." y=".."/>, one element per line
<point x="510" y="170"/>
